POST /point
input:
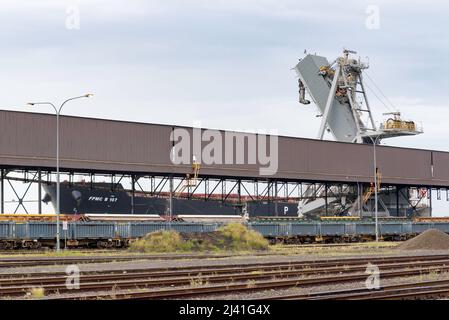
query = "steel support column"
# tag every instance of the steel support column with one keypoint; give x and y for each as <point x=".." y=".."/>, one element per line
<point x="39" y="192"/>
<point x="276" y="199"/>
<point x="397" y="202"/>
<point x="2" y="191"/>
<point x="133" y="191"/>
<point x="171" y="199"/>
<point x="325" y="199"/>
<point x="239" y="191"/>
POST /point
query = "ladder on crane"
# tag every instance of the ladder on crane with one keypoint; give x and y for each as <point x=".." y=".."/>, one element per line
<point x="369" y="192"/>
<point x="360" y="203"/>
<point x="191" y="179"/>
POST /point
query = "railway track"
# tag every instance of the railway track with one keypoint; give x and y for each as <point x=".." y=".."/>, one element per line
<point x="30" y="261"/>
<point x="31" y="252"/>
<point x="332" y="245"/>
<point x="219" y="289"/>
<point x="209" y="280"/>
<point x="417" y="290"/>
<point x="145" y="278"/>
<point x="49" y="261"/>
<point x="324" y="263"/>
<point x="11" y="262"/>
<point x="233" y="272"/>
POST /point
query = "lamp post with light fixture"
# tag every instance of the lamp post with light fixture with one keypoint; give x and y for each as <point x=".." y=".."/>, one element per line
<point x="58" y="180"/>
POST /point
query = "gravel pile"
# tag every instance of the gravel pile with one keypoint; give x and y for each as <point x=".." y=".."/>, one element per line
<point x="431" y="239"/>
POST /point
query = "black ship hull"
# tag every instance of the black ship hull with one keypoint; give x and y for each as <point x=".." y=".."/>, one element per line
<point x="100" y="198"/>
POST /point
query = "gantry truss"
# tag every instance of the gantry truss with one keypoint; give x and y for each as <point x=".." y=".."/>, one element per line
<point x="25" y="187"/>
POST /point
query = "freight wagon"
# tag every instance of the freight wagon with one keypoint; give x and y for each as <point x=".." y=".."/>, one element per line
<point x="117" y="234"/>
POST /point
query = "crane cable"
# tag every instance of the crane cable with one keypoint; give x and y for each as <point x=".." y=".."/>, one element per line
<point x="378" y="98"/>
<point x="393" y="107"/>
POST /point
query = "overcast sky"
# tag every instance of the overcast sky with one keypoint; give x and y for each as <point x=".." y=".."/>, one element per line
<point x="225" y="64"/>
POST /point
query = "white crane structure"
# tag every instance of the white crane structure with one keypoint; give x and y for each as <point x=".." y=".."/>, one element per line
<point x="338" y="91"/>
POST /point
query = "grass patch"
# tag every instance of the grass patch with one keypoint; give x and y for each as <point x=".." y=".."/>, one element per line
<point x="198" y="281"/>
<point x="232" y="237"/>
<point x="161" y="241"/>
<point x="37" y="293"/>
<point x="241" y="238"/>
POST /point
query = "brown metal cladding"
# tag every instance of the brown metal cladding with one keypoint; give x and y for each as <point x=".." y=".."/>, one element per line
<point x="441" y="165"/>
<point x="238" y="170"/>
<point x="28" y="140"/>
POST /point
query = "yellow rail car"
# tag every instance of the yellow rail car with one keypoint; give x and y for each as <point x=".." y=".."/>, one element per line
<point x="431" y="219"/>
<point x="38" y="217"/>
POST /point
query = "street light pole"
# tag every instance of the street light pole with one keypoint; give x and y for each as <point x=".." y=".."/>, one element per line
<point x="58" y="179"/>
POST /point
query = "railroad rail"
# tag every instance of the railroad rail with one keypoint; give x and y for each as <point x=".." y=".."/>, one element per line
<point x="415" y="289"/>
<point x="11" y="262"/>
<point x="43" y="261"/>
<point x="227" y="288"/>
<point x="192" y="281"/>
